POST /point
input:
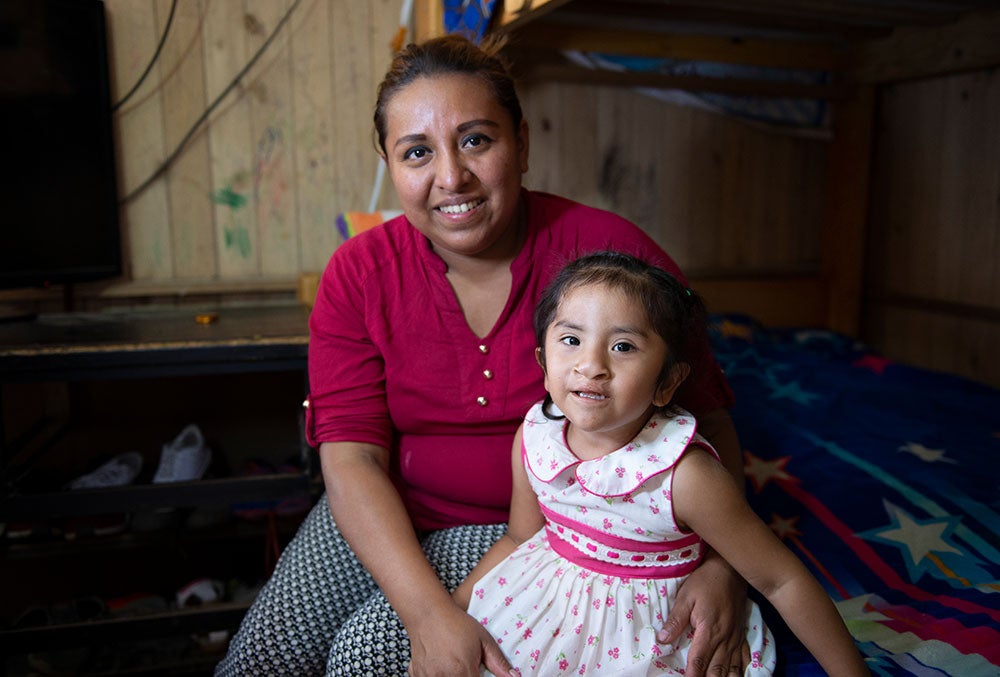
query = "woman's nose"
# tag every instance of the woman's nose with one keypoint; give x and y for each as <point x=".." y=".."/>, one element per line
<point x="452" y="172"/>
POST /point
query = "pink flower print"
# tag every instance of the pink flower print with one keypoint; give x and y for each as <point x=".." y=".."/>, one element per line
<point x="608" y="580"/>
<point x="479" y="593"/>
<point x="519" y="624"/>
<point x="582" y="670"/>
<point x="553" y="465"/>
<point x="629" y="614"/>
<point x="655" y="650"/>
<point x="653" y="424"/>
<point x="559" y="572"/>
<point x="526" y="635"/>
<point x="655" y="509"/>
<point x="502" y="581"/>
<point x="653" y="458"/>
<point x="607" y="523"/>
<point x="609" y="601"/>
<point x="755" y="660"/>
<point x="630" y="448"/>
<point x="640" y="531"/>
<point x="507" y="600"/>
<point x="663" y="591"/>
<point x="571" y="481"/>
<point x="641" y="598"/>
<point x="613" y="653"/>
<point x="620" y="472"/>
<point x="484" y="620"/>
<point x="575" y="610"/>
<point x="578" y="629"/>
<point x="682" y="421"/>
<point x="597" y="604"/>
<point x="535" y="654"/>
<point x="591" y="640"/>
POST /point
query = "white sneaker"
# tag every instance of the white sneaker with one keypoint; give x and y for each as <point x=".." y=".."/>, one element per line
<point x="184" y="459"/>
<point x="119" y="471"/>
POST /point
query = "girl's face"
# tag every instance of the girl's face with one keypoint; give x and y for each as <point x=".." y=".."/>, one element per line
<point x="456" y="162"/>
<point x="602" y="367"/>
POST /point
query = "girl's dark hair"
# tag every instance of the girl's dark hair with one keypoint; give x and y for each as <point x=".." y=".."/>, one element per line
<point x="446" y="55"/>
<point x="674" y="311"/>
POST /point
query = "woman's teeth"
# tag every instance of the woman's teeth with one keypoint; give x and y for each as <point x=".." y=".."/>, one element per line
<point x="462" y="208"/>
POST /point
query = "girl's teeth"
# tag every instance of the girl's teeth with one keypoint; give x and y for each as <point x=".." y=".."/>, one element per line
<point x="592" y="396"/>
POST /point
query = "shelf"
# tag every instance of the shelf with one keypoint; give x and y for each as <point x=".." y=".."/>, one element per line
<point x="138" y="497"/>
<point x="220" y="616"/>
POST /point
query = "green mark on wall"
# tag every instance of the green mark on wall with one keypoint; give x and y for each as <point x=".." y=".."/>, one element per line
<point x="227" y="196"/>
<point x="239" y="239"/>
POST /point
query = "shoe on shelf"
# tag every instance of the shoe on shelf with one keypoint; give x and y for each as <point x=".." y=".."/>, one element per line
<point x="119" y="471"/>
<point x="200" y="592"/>
<point x="184" y="459"/>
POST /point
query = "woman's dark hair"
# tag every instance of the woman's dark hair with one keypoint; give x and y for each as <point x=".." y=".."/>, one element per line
<point x="446" y="55"/>
<point x="674" y="311"/>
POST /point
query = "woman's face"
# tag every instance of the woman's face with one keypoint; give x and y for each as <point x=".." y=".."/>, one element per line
<point x="456" y="162"/>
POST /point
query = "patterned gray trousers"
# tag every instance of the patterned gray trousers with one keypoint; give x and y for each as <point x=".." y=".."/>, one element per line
<point x="321" y="612"/>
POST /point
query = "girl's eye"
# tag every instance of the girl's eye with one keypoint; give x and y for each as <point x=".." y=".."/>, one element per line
<point x="417" y="153"/>
<point x="623" y="347"/>
<point x="570" y="340"/>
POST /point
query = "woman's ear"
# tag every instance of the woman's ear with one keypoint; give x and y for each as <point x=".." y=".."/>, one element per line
<point x="523" y="144"/>
<point x="672" y="380"/>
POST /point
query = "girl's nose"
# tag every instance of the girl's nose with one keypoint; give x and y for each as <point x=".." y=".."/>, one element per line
<point x="591" y="365"/>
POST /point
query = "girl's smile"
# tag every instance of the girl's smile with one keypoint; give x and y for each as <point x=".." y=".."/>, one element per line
<point x="603" y="363"/>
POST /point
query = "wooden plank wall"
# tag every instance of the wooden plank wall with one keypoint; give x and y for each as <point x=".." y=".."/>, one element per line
<point x="251" y="198"/>
<point x="932" y="294"/>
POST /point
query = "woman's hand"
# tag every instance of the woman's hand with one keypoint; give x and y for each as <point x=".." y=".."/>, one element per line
<point x="454" y="644"/>
<point x="712" y="601"/>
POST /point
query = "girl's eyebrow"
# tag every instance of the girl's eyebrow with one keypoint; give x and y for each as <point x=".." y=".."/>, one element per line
<point x="627" y="329"/>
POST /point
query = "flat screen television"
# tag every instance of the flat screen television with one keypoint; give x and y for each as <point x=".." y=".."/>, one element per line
<point x="58" y="194"/>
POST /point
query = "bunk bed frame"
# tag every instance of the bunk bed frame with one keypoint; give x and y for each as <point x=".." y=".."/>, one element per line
<point x="861" y="44"/>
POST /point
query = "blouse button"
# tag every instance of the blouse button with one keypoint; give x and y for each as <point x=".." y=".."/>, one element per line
<point x="483" y="348"/>
<point x="482" y="401"/>
<point x="487" y="374"/>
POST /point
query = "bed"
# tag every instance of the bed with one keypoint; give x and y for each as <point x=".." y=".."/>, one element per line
<point x="883" y="479"/>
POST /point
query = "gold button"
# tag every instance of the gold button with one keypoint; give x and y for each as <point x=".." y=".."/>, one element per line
<point x="483" y="349"/>
<point x="482" y="401"/>
<point x="488" y="374"/>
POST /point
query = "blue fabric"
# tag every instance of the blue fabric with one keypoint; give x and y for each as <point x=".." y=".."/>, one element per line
<point x="884" y="479"/>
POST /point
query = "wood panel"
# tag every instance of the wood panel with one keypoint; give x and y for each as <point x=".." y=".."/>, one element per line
<point x="717" y="193"/>
<point x="933" y="275"/>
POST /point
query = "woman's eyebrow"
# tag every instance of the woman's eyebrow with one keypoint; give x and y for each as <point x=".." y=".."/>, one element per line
<point x="408" y="139"/>
<point x="484" y="122"/>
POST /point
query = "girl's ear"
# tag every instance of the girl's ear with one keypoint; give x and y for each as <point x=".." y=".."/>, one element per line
<point x="539" y="358"/>
<point x="671" y="382"/>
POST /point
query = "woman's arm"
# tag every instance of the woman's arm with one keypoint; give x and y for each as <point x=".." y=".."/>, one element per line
<point x="525" y="520"/>
<point x="706" y="500"/>
<point x="712" y="601"/>
<point x="369" y="512"/>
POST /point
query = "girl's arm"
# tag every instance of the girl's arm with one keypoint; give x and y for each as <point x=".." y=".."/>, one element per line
<point x="370" y="514"/>
<point x="708" y="501"/>
<point x="524" y="522"/>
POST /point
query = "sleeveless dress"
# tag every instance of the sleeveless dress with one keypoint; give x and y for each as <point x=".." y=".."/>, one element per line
<point x="587" y="593"/>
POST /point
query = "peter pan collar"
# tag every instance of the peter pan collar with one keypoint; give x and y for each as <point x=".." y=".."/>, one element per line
<point x="655" y="450"/>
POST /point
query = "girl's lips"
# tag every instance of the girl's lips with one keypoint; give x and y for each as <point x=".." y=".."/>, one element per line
<point x="461" y="208"/>
<point x="589" y="395"/>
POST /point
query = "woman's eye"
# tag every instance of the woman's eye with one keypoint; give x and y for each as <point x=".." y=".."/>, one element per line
<point x="475" y="140"/>
<point x="623" y="347"/>
<point x="417" y="153"/>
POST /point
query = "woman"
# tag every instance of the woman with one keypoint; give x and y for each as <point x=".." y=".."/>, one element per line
<point x="421" y="368"/>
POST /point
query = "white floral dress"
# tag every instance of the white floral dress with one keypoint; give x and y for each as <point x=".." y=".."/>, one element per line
<point x="587" y="593"/>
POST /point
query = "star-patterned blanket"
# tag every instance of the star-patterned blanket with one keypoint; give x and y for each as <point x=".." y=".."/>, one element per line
<point x="885" y="480"/>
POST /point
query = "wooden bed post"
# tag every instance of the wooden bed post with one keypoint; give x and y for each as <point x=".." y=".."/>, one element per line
<point x="845" y="210"/>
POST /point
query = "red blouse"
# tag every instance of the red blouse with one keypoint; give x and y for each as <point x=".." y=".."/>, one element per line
<point x="392" y="361"/>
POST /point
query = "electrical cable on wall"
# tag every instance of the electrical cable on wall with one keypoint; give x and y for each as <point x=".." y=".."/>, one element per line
<point x="152" y="61"/>
<point x="172" y="157"/>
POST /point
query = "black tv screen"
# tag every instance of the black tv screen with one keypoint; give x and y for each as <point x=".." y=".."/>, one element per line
<point x="58" y="195"/>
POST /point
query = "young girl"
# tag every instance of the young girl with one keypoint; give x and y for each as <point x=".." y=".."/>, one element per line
<point x="616" y="496"/>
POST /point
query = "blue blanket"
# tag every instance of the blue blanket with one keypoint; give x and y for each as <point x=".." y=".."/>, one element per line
<point x="885" y="480"/>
